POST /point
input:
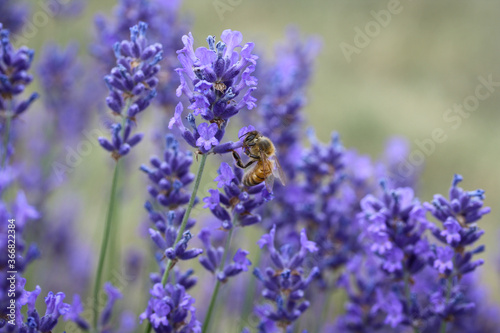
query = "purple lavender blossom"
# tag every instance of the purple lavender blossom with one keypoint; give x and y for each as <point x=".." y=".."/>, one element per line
<point x="55" y="308"/>
<point x="284" y="83"/>
<point x="180" y="251"/>
<point x="67" y="103"/>
<point x="237" y="204"/>
<point x="13" y="15"/>
<point x="14" y="77"/>
<point x="285" y="285"/>
<point x="171" y="176"/>
<point x="213" y="259"/>
<point x="126" y="14"/>
<point x="164" y="239"/>
<point x="113" y="295"/>
<point x="326" y="201"/>
<point x="74" y="314"/>
<point x="185" y="279"/>
<point x="132" y="83"/>
<point x="166" y="27"/>
<point x="207" y="136"/>
<point x="121" y="142"/>
<point x="459" y="216"/>
<point x="218" y="83"/>
<point x="444" y="260"/>
<point x="171" y="310"/>
<point x="213" y="256"/>
<point x="395" y="224"/>
<point x="483" y="318"/>
<point x="22" y="212"/>
<point x="362" y="281"/>
<point x="131" y="87"/>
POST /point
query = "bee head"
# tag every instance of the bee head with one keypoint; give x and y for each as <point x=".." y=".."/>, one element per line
<point x="250" y="137"/>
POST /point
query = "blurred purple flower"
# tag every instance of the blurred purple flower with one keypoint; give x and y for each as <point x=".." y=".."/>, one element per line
<point x="285" y="285"/>
<point x="169" y="308"/>
<point x="237" y="203"/>
<point x="131" y="87"/>
<point x="444" y="260"/>
<point x="207" y="136"/>
<point x="113" y="295"/>
<point x="14" y="15"/>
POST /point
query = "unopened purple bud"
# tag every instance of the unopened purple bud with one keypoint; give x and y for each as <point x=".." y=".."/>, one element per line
<point x="106" y="144"/>
<point x="124" y="149"/>
<point x="138" y="89"/>
<point x="170" y="253"/>
<point x="158" y="239"/>
<point x="249" y="220"/>
<point x="23" y="106"/>
<point x="190" y="254"/>
<point x="135" y="139"/>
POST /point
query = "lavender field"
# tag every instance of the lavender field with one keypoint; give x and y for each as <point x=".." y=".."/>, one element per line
<point x="249" y="166"/>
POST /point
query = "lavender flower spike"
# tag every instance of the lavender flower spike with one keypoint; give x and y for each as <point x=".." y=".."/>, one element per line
<point x="121" y="142"/>
<point x="237" y="204"/>
<point x="113" y="295"/>
<point x="459" y="215"/>
<point x="285" y="284"/>
<point x="55" y="309"/>
<point x="14" y="77"/>
<point x="213" y="259"/>
<point x="134" y="78"/>
<point x="170" y="309"/>
<point x="131" y="87"/>
<point x="218" y="83"/>
<point x="171" y="176"/>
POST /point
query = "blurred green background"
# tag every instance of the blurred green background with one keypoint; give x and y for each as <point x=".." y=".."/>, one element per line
<point x="426" y="59"/>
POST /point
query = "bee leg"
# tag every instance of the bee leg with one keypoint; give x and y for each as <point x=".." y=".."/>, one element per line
<point x="254" y="156"/>
<point x="248" y="164"/>
<point x="237" y="158"/>
<point x="239" y="162"/>
<point x="250" y="137"/>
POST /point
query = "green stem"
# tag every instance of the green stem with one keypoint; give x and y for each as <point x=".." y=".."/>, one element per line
<point x="6" y="136"/>
<point x="211" y="307"/>
<point x="182" y="227"/>
<point x="104" y="245"/>
<point x="170" y="265"/>
<point x="115" y="242"/>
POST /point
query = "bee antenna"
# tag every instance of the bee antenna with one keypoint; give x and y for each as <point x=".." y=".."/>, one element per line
<point x="243" y="135"/>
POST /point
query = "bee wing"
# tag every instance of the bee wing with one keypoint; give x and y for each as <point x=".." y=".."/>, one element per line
<point x="265" y="161"/>
<point x="278" y="171"/>
<point x="270" y="183"/>
<point x="268" y="168"/>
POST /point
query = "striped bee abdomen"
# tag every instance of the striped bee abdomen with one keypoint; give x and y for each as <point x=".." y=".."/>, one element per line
<point x="257" y="175"/>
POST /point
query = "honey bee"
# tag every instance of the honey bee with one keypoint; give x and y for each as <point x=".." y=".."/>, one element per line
<point x="262" y="154"/>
